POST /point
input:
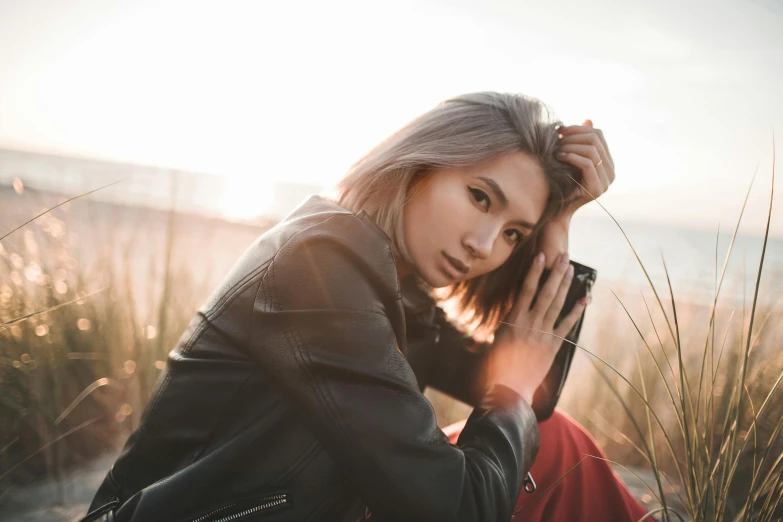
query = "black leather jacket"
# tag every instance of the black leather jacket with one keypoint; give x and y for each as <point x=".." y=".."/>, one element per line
<point x="290" y="397"/>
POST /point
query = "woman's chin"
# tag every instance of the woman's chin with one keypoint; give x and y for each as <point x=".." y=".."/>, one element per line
<point x="437" y="279"/>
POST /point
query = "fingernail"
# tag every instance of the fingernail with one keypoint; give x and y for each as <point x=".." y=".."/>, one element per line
<point x="561" y="155"/>
<point x="540" y="258"/>
<point x="564" y="258"/>
<point x="570" y="272"/>
<point x="583" y="301"/>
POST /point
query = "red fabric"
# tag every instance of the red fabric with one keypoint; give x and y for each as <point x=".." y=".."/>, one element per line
<point x="591" y="492"/>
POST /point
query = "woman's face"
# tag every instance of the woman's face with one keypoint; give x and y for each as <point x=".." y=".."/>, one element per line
<point x="461" y="223"/>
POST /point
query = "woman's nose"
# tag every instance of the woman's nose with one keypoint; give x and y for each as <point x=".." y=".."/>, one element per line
<point x="479" y="245"/>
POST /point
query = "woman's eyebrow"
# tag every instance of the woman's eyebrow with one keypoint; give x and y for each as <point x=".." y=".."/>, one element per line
<point x="492" y="184"/>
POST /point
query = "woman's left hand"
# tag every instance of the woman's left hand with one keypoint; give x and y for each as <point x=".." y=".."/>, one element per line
<point x="585" y="148"/>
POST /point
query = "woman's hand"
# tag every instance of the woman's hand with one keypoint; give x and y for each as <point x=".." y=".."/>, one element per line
<point x="585" y="147"/>
<point x="524" y="349"/>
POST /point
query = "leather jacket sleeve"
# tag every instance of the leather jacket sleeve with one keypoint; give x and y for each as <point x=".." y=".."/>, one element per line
<point x="451" y="361"/>
<point x="333" y="338"/>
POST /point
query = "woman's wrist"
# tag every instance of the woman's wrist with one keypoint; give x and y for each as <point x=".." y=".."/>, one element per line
<point x="524" y="392"/>
<point x="504" y="339"/>
<point x="553" y="240"/>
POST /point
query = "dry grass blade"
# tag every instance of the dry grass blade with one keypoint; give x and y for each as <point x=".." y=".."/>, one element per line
<point x="755" y="444"/>
<point x="691" y="440"/>
<point x="3" y="326"/>
<point x="11" y="443"/>
<point x="663" y="508"/>
<point x="59" y="438"/>
<point x="663" y="351"/>
<point x="636" y="255"/>
<point x="660" y="510"/>
<point x="632" y="472"/>
<point x="661" y="498"/>
<point x="772" y="436"/>
<point x="651" y="444"/>
<point x="750" y="328"/>
<point x="719" y="284"/>
<point x="83" y="395"/>
<point x="61" y="204"/>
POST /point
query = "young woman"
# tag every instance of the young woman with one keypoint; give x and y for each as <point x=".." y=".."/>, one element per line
<point x="295" y="394"/>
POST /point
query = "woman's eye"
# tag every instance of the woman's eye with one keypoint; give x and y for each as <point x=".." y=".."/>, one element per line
<point x="513" y="235"/>
<point x="480" y="196"/>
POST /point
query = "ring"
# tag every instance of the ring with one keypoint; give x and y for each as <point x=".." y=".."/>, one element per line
<point x="599" y="163"/>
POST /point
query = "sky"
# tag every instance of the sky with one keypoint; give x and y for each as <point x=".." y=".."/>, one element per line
<point x="688" y="94"/>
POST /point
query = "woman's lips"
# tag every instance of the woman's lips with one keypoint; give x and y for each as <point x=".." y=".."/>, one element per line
<point x="454" y="267"/>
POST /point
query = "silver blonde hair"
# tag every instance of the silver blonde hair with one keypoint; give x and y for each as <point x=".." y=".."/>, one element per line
<point x="460" y="132"/>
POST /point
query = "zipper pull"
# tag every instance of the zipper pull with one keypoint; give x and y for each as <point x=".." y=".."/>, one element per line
<point x="528" y="483"/>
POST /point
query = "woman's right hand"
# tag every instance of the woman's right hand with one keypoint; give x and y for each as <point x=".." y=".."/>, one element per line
<point x="524" y="349"/>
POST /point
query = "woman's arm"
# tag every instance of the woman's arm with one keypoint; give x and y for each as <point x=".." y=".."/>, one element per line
<point x="327" y="326"/>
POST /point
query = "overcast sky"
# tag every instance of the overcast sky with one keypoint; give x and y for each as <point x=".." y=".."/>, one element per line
<point x="687" y="93"/>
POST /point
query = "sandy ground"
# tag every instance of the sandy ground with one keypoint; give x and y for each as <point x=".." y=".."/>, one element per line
<point x="50" y="502"/>
<point x="39" y="503"/>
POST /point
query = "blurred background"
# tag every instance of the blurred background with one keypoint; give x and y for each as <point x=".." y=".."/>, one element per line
<point x="216" y="119"/>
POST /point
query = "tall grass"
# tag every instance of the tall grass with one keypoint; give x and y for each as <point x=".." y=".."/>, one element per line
<point x="81" y="347"/>
<point x="702" y="409"/>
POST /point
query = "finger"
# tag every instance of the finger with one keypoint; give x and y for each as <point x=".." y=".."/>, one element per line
<point x="588" y="151"/>
<point x="591" y="153"/>
<point x="550" y="288"/>
<point x="590" y="177"/>
<point x="588" y="139"/>
<point x="606" y="154"/>
<point x="557" y="303"/>
<point x="530" y="285"/>
<point x="568" y="322"/>
<point x="600" y="134"/>
<point x="566" y="130"/>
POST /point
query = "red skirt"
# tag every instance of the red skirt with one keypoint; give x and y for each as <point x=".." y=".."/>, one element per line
<point x="591" y="492"/>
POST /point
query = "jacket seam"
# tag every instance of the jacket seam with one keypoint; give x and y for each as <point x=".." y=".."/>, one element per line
<point x="270" y="268"/>
<point x="233" y="292"/>
<point x="309" y="454"/>
<point x="303" y="359"/>
<point x="323" y="391"/>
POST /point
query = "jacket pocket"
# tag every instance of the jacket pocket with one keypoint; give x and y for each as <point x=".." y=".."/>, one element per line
<point x="245" y="509"/>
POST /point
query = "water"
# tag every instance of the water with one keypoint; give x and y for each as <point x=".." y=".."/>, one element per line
<point x="689" y="255"/>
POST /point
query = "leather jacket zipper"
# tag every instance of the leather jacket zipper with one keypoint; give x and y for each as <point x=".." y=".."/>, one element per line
<point x="528" y="483"/>
<point x="259" y="505"/>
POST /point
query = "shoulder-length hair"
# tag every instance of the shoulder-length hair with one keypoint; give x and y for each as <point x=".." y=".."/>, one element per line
<point x="460" y="132"/>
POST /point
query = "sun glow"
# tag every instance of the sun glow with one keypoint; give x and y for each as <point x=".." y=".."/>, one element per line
<point x="248" y="198"/>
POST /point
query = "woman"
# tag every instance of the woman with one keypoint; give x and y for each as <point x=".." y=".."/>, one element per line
<point x="290" y="396"/>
